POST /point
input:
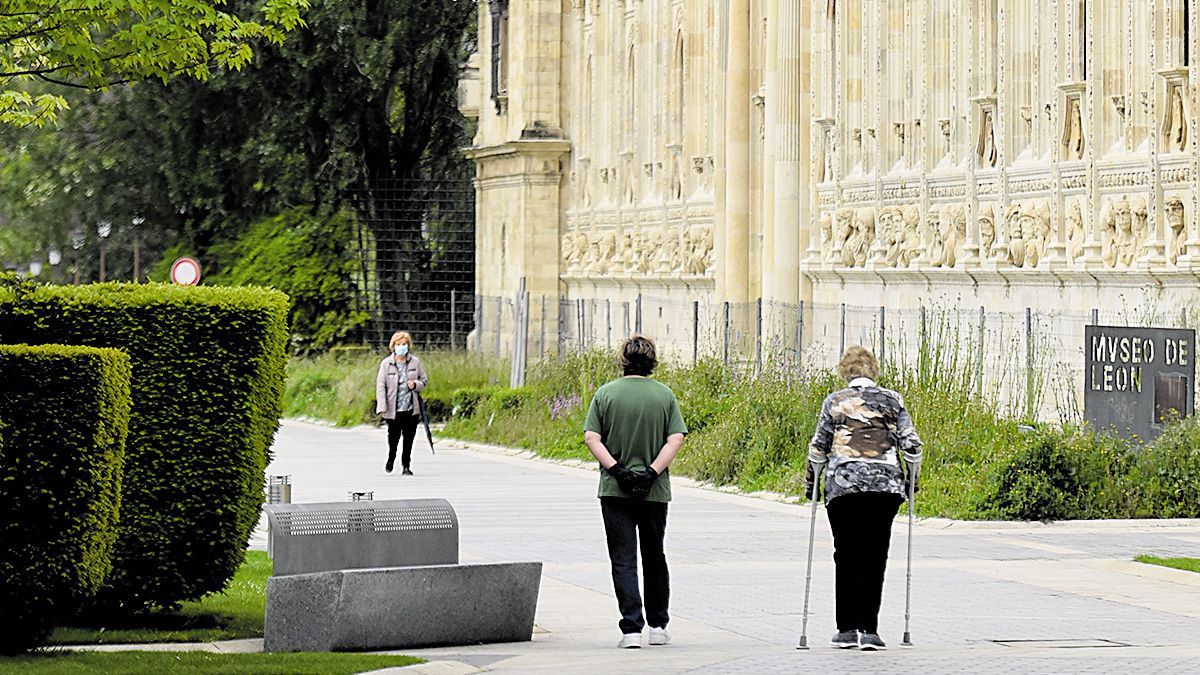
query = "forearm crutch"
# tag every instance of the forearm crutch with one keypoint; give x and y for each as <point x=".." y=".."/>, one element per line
<point x="914" y="468"/>
<point x="818" y="470"/>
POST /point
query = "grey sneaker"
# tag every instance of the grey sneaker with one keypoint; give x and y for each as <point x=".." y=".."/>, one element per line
<point x="846" y="639"/>
<point x="630" y="641"/>
<point x="870" y="642"/>
<point x="659" y="636"/>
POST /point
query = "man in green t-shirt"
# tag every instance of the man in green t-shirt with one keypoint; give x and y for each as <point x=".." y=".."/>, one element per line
<point x="634" y="429"/>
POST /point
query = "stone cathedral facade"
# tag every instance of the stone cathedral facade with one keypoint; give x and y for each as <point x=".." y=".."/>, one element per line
<point x="1003" y="153"/>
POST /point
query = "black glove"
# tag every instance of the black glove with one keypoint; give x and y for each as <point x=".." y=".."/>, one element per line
<point x="810" y="480"/>
<point x="644" y="480"/>
<point x="624" y="477"/>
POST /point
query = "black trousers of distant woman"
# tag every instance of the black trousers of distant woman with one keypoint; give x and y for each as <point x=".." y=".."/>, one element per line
<point x="405" y="424"/>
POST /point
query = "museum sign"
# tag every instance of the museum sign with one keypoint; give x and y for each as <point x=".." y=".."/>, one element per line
<point x="1137" y="377"/>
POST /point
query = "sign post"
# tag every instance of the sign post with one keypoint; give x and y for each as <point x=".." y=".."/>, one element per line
<point x="1135" y="378"/>
<point x="185" y="272"/>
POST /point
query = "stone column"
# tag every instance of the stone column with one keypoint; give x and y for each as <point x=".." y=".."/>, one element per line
<point x="792" y="130"/>
<point x="733" y="281"/>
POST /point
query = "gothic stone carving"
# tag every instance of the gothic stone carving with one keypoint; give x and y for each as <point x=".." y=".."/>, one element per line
<point x="949" y="235"/>
<point x="1028" y="232"/>
<point x="1075" y="229"/>
<point x="699" y="250"/>
<point x="1176" y="238"/>
<point x="1119" y="247"/>
<point x="987" y="230"/>
<point x="575" y="250"/>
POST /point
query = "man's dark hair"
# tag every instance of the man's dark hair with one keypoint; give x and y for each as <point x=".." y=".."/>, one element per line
<point x="637" y="356"/>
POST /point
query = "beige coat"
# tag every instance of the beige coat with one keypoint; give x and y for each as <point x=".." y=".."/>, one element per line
<point x="387" y="384"/>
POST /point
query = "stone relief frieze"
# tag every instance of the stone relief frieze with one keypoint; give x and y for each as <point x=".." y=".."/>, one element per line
<point x="699" y="250"/>
<point x="1041" y="184"/>
<point x="1176" y="175"/>
<point x="949" y="235"/>
<point x="986" y="220"/>
<point x="1123" y="179"/>
<point x="1075" y="182"/>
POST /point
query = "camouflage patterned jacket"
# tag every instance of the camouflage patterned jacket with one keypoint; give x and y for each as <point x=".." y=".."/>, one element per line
<point x="860" y="434"/>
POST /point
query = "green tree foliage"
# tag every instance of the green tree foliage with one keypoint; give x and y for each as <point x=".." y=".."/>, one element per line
<point x="363" y="96"/>
<point x="90" y="44"/>
<point x="305" y="257"/>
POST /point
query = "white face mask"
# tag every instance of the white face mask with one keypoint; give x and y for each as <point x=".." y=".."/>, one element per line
<point x="401" y="350"/>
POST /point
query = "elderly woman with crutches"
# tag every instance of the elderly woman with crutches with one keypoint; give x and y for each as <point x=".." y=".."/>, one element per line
<point x="861" y="434"/>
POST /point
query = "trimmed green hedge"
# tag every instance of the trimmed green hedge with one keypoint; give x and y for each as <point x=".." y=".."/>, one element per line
<point x="63" y="427"/>
<point x="208" y="374"/>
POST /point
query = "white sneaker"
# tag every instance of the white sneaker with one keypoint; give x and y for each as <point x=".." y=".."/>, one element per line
<point x="659" y="636"/>
<point x="630" y="641"/>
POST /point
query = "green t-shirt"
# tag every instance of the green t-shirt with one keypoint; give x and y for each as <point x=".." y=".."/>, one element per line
<point x="634" y="416"/>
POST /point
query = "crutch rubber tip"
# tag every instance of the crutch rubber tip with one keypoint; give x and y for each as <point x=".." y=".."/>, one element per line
<point x="907" y="641"/>
<point x="803" y="642"/>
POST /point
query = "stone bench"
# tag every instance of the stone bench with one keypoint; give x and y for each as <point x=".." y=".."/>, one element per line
<point x="401" y="607"/>
<point x="384" y="575"/>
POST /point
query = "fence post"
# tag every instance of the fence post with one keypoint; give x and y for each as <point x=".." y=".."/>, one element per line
<point x="882" y="320"/>
<point x="579" y="339"/>
<point x="1095" y="316"/>
<point x="542" y="331"/>
<point x="608" y="322"/>
<point x="695" y="331"/>
<point x="800" y="330"/>
<point x="979" y="364"/>
<point x="922" y="349"/>
<point x="562" y="327"/>
<point x="638" y="317"/>
<point x="520" y="337"/>
<point x="1029" y="363"/>
<point x="725" y="331"/>
<point x="479" y="325"/>
<point x="453" y="316"/>
<point x="758" y="336"/>
<point x="842" y="332"/>
<point x="499" y="322"/>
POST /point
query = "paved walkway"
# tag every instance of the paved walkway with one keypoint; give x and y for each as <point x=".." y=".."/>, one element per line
<point x="987" y="597"/>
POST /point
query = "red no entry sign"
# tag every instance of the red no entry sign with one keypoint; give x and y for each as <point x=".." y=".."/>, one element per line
<point x="185" y="272"/>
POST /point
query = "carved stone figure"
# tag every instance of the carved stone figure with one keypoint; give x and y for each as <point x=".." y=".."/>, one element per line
<point x="575" y="250"/>
<point x="826" y="236"/>
<point x="861" y="236"/>
<point x="700" y="250"/>
<point x="666" y="258"/>
<point x="1075" y="231"/>
<point x="953" y="233"/>
<point x="1141" y="225"/>
<point x="1036" y="228"/>
<point x="1016" y="236"/>
<point x="1175" y="124"/>
<point x="842" y="228"/>
<point x="628" y="256"/>
<point x="1176" y="237"/>
<point x="934" y="236"/>
<point x="647" y="246"/>
<point x="1119" y="247"/>
<point x="886" y="227"/>
<point x="600" y="264"/>
<point x="987" y="231"/>
<point x="910" y="243"/>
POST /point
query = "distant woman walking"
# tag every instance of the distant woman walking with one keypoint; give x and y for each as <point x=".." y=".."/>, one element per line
<point x="401" y="378"/>
<point x="860" y="435"/>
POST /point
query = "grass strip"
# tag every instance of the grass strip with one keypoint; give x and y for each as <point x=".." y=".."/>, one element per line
<point x="197" y="663"/>
<point x="1188" y="564"/>
<point x="233" y="614"/>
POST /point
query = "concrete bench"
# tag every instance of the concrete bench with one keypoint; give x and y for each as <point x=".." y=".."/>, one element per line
<point x="306" y="538"/>
<point x="384" y="575"/>
<point x="401" y="607"/>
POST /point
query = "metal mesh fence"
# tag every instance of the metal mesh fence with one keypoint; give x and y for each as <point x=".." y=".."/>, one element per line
<point x="417" y="244"/>
<point x="1029" y="363"/>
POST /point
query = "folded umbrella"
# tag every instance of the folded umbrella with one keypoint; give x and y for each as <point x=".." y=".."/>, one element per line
<point x="425" y="421"/>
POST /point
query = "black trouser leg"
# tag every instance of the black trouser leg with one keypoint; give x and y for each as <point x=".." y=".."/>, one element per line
<point x="656" y="578"/>
<point x="394" y="431"/>
<point x="620" y="529"/>
<point x="408" y="422"/>
<point x="861" y="525"/>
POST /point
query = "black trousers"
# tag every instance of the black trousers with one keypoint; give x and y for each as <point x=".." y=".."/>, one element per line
<point x="862" y="532"/>
<point x="405" y="425"/>
<point x="626" y="523"/>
